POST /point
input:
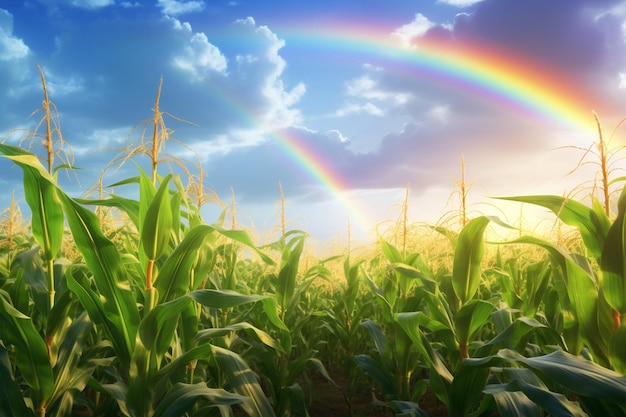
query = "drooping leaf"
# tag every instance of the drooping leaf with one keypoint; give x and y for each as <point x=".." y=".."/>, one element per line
<point x="224" y="298"/>
<point x="181" y="397"/>
<point x="258" y="334"/>
<point x="592" y="223"/>
<point x="41" y="196"/>
<point x="379" y="374"/>
<point x="576" y="374"/>
<point x="243" y="381"/>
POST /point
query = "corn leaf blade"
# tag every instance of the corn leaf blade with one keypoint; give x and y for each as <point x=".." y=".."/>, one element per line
<point x="468" y="254"/>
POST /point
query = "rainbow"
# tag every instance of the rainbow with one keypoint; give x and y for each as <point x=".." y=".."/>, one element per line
<point x="323" y="174"/>
<point x="481" y="71"/>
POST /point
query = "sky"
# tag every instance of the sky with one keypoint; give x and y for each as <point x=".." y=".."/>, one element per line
<point x="342" y="104"/>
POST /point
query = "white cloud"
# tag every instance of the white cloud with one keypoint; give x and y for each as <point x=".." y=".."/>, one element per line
<point x="622" y="80"/>
<point x="200" y="58"/>
<point x="11" y="47"/>
<point x="178" y="25"/>
<point x="334" y="133"/>
<point x="459" y="3"/>
<point x="418" y="27"/>
<point x="263" y="64"/>
<point x="91" y="4"/>
<point x="225" y="143"/>
<point x="368" y="88"/>
<point x="175" y="7"/>
<point x="353" y="108"/>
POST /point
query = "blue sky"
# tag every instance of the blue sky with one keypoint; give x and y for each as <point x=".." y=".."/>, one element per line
<point x="242" y="70"/>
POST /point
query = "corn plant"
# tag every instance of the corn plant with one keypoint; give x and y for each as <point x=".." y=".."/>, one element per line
<point x="280" y="369"/>
<point x="140" y="337"/>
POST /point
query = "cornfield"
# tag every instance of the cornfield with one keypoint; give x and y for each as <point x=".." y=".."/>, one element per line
<point x="118" y="306"/>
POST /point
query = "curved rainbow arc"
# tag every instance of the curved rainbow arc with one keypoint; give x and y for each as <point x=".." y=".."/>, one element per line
<point x="326" y="176"/>
<point x="487" y="73"/>
<point x="483" y="70"/>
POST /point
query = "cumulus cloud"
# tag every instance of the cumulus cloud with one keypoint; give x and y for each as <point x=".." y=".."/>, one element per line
<point x="260" y="68"/>
<point x="200" y="58"/>
<point x="368" y="88"/>
<point x="11" y="47"/>
<point x="175" y="7"/>
<point x="416" y="28"/>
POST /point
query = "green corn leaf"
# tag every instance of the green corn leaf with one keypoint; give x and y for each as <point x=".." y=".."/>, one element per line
<point x="35" y="276"/>
<point x="174" y="279"/>
<point x="271" y="312"/>
<point x="286" y="282"/>
<point x="41" y="196"/>
<point x="392" y="254"/>
<point x="468" y="254"/>
<point x="243" y="237"/>
<point x="224" y="298"/>
<point x="556" y="405"/>
<point x="128" y="206"/>
<point x="141" y="388"/>
<point x="617" y="352"/>
<point x="31" y="355"/>
<point x="516" y="335"/>
<point x="512" y="404"/>
<point x="180" y="362"/>
<point x="381" y="343"/>
<point x="592" y="223"/>
<point x="243" y="381"/>
<point x="471" y="317"/>
<point x="11" y="399"/>
<point x="157" y="223"/>
<point x="70" y="373"/>
<point x="466" y="389"/>
<point x="158" y="326"/>
<point x="379" y="374"/>
<point x="181" y="397"/>
<point x="410" y="322"/>
<point x="188" y="328"/>
<point x="537" y="279"/>
<point x="593" y="317"/>
<point x="127" y="181"/>
<point x="581" y="376"/>
<point x="147" y="191"/>
<point x="258" y="334"/>
<point x="613" y="260"/>
<point x="105" y="263"/>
